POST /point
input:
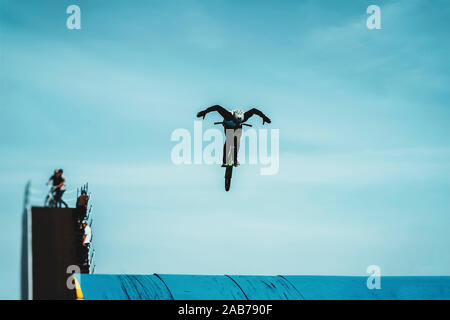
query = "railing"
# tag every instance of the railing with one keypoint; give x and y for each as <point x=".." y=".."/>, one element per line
<point x="90" y="221"/>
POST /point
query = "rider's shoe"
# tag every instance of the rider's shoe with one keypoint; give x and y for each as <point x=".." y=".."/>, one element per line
<point x="236" y="164"/>
<point x="224" y="165"/>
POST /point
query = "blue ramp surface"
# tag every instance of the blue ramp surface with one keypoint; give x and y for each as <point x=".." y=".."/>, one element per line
<point x="355" y="288"/>
<point x="197" y="287"/>
<point x="223" y="287"/>
<point x="267" y="288"/>
<point x="122" y="287"/>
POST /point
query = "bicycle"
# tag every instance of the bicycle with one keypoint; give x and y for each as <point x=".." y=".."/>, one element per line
<point x="229" y="166"/>
<point x="52" y="199"/>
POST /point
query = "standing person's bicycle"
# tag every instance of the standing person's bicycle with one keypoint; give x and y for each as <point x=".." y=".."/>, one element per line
<point x="54" y="197"/>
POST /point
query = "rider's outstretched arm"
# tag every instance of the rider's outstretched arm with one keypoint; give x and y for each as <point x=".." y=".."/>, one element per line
<point x="222" y="111"/>
<point x="253" y="111"/>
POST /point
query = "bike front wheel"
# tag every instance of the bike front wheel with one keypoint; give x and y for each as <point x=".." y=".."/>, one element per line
<point x="47" y="201"/>
<point x="228" y="174"/>
<point x="227" y="184"/>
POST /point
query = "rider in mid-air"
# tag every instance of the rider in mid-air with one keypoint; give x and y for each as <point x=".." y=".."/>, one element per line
<point x="232" y="123"/>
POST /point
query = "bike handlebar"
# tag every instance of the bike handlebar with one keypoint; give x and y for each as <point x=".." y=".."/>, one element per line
<point x="243" y="124"/>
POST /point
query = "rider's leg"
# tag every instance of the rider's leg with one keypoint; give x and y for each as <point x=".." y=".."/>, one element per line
<point x="57" y="198"/>
<point x="61" y="201"/>
<point x="52" y="198"/>
<point x="59" y="194"/>
<point x="237" y="144"/>
<point x="227" y="148"/>
<point x="224" y="158"/>
<point x="230" y="143"/>
<point x="235" y="151"/>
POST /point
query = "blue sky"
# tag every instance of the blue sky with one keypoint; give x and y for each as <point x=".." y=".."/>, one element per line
<point x="363" y="117"/>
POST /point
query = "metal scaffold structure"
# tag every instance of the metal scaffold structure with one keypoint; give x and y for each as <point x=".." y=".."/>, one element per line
<point x="52" y="244"/>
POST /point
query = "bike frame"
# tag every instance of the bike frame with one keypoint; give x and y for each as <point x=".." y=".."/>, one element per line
<point x="51" y="200"/>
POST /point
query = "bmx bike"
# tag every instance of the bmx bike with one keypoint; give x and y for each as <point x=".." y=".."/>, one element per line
<point x="230" y="164"/>
<point x="54" y="198"/>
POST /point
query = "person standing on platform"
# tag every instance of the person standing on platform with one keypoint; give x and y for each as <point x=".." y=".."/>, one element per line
<point x="82" y="206"/>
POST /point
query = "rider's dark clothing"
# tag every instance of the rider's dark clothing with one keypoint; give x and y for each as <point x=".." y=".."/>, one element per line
<point x="82" y="201"/>
<point x="229" y="120"/>
<point x="57" y="180"/>
<point x="233" y="128"/>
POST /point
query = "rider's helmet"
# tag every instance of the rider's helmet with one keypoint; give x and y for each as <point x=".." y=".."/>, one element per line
<point x="61" y="171"/>
<point x="84" y="222"/>
<point x="238" y="115"/>
<point x="83" y="192"/>
<point x="56" y="171"/>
